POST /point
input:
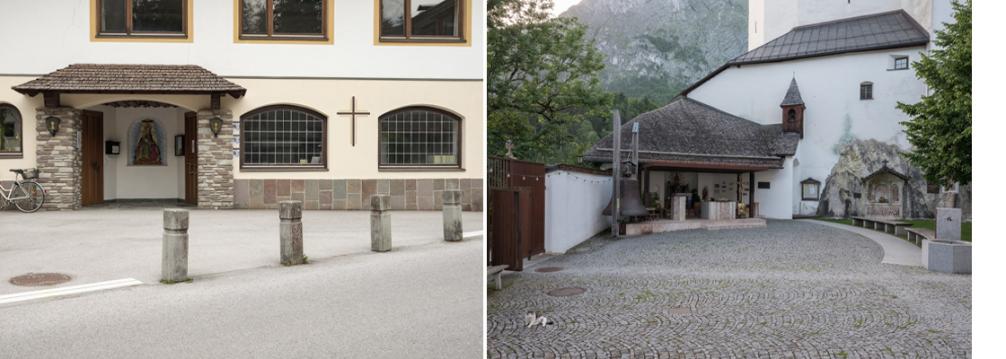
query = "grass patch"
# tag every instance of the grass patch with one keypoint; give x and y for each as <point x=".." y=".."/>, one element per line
<point x="916" y="223"/>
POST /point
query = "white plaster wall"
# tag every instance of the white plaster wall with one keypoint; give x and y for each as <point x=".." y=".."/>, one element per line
<point x="776" y="17"/>
<point x="57" y="33"/>
<point x="326" y="96"/>
<point x="830" y="88"/>
<point x="776" y="202"/>
<point x="573" y="205"/>
<point x="123" y="181"/>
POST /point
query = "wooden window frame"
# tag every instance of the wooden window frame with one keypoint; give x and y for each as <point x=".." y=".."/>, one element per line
<point x="185" y="34"/>
<point x="866" y="90"/>
<point x="425" y="167"/>
<point x="459" y="16"/>
<point x="325" y="35"/>
<point x="803" y="193"/>
<point x="20" y="152"/>
<point x="895" y="67"/>
<point x="284" y="168"/>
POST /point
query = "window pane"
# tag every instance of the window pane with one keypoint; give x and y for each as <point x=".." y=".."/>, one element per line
<point x="434" y="17"/>
<point x="113" y="16"/>
<point x="158" y="16"/>
<point x="393" y="17"/>
<point x="419" y="137"/>
<point x="253" y="15"/>
<point x="10" y="130"/>
<point x="297" y="16"/>
<point x="283" y="137"/>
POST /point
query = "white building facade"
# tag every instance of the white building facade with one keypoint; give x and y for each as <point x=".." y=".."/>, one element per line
<point x="245" y="103"/>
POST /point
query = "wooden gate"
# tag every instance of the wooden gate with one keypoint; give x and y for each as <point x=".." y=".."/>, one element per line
<point x="516" y="211"/>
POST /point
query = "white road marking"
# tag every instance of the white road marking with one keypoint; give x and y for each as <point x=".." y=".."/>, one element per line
<point x="66" y="291"/>
<point x="469" y="235"/>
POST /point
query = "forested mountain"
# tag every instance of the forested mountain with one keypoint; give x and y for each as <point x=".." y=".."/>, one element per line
<point x="655" y="48"/>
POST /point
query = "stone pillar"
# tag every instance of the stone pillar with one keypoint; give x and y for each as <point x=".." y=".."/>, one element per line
<point x="216" y="160"/>
<point x="291" y="233"/>
<point x="380" y="223"/>
<point x="948" y="224"/>
<point x="452" y="216"/>
<point x="175" y="246"/>
<point x="678" y="206"/>
<point x="58" y="157"/>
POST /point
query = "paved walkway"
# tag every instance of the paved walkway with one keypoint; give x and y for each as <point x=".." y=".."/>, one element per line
<point x="791" y="290"/>
<point x="896" y="250"/>
<point x="95" y="245"/>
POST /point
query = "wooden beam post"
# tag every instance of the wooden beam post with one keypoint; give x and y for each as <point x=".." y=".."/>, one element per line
<point x="215" y="101"/>
<point x="51" y="99"/>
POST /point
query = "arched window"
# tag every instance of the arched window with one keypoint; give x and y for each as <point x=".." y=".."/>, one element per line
<point x="419" y="137"/>
<point x="283" y="137"/>
<point x="791" y="116"/>
<point x="11" y="140"/>
<point x="866" y="90"/>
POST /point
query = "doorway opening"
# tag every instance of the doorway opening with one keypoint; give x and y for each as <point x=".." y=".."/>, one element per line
<point x="138" y="153"/>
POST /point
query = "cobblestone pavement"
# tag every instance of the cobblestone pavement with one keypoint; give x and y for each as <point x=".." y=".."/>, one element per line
<point x="791" y="290"/>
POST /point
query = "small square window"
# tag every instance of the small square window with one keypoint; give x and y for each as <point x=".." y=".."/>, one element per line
<point x="901" y="63"/>
<point x="764" y="185"/>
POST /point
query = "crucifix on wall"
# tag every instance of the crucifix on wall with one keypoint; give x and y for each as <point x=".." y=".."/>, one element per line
<point x="352" y="113"/>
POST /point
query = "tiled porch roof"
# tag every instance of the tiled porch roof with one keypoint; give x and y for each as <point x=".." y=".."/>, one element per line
<point x="115" y="78"/>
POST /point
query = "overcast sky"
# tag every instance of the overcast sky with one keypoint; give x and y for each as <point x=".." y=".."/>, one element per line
<point x="562" y="5"/>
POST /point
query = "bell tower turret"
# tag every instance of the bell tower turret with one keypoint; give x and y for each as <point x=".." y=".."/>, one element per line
<point x="792" y="110"/>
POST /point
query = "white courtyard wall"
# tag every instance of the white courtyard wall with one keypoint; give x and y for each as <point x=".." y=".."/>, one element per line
<point x="573" y="205"/>
<point x="58" y="33"/>
<point x="776" y="201"/>
<point x="830" y="88"/>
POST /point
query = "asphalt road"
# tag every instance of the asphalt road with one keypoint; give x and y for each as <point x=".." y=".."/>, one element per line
<point x="422" y="301"/>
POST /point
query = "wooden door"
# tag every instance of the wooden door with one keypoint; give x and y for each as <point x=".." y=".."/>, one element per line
<point x="191" y="160"/>
<point x="92" y="186"/>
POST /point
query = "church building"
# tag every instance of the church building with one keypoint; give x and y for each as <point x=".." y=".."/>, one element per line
<point x="805" y="122"/>
<point x="244" y="103"/>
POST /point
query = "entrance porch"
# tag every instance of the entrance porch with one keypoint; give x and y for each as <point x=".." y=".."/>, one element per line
<point x="108" y="132"/>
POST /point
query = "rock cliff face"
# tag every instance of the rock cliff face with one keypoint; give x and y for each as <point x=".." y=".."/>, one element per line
<point x="845" y="195"/>
<point x="656" y="48"/>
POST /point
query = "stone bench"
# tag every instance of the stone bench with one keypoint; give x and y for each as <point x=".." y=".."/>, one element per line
<point x="917" y="235"/>
<point x="894" y="227"/>
<point x="497" y="271"/>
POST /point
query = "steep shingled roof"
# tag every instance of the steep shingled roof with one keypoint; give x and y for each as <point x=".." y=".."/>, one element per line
<point x="886" y="30"/>
<point x="115" y="78"/>
<point x="687" y="131"/>
<point x="792" y="95"/>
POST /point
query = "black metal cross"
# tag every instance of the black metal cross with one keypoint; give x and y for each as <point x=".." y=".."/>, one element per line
<point x="353" y="114"/>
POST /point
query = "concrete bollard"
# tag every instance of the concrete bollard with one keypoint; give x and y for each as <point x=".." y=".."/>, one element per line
<point x="452" y="216"/>
<point x="678" y="203"/>
<point x="175" y="246"/>
<point x="380" y="223"/>
<point x="291" y="233"/>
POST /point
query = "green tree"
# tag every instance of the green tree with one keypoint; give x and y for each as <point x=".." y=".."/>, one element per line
<point x="543" y="83"/>
<point x="940" y="128"/>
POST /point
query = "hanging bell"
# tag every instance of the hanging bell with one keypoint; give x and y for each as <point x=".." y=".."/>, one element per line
<point x="631" y="204"/>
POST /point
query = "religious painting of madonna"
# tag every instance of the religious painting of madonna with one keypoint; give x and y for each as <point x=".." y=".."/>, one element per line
<point x="145" y="141"/>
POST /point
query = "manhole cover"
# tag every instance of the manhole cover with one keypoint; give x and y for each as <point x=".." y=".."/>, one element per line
<point x="39" y="279"/>
<point x="566" y="292"/>
<point x="548" y="269"/>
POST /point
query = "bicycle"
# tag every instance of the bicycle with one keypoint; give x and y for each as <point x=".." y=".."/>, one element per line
<point x="26" y="194"/>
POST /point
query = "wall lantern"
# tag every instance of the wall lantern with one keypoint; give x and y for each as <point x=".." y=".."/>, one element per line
<point x="52" y="123"/>
<point x="215" y="124"/>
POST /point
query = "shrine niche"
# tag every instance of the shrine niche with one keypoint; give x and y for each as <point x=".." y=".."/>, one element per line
<point x="145" y="142"/>
<point x="885" y="193"/>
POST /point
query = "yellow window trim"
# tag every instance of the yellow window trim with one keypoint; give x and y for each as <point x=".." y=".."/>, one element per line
<point x="94" y="21"/>
<point x="467" y="7"/>
<point x="329" y="25"/>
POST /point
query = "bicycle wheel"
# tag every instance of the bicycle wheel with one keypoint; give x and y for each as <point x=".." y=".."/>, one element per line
<point x="34" y="197"/>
